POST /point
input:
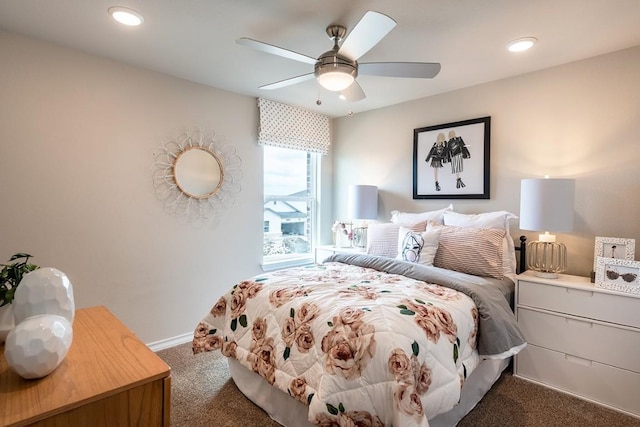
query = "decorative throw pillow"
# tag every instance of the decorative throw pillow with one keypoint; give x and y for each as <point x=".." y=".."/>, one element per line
<point x="476" y="251"/>
<point x="408" y="219"/>
<point x="417" y="247"/>
<point x="382" y="238"/>
<point x="497" y="219"/>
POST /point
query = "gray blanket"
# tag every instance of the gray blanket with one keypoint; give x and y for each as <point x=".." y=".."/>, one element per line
<point x="498" y="332"/>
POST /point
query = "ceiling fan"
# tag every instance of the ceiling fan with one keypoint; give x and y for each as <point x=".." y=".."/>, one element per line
<point x="337" y="69"/>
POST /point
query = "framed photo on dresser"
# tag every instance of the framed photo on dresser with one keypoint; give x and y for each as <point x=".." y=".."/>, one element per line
<point x="618" y="274"/>
<point x="614" y="247"/>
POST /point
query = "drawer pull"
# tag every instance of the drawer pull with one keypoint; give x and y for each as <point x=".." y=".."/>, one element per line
<point x="580" y="292"/>
<point x="579" y="322"/>
<point x="578" y="360"/>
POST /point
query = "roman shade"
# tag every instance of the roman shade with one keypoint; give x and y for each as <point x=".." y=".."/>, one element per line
<point x="285" y="126"/>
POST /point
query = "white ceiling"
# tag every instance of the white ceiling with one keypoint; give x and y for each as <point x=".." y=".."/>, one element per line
<point x="195" y="39"/>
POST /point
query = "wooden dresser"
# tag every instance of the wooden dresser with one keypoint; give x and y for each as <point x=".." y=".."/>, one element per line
<point x="582" y="339"/>
<point x="109" y="378"/>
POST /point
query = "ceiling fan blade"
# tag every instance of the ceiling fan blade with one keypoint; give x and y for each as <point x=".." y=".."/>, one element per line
<point x="288" y="82"/>
<point x="420" y="70"/>
<point x="275" y="50"/>
<point x="371" y="28"/>
<point x="353" y="93"/>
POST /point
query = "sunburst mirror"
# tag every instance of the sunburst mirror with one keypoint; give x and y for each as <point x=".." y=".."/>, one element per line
<point x="197" y="174"/>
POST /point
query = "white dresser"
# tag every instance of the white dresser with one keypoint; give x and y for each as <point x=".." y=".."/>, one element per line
<point x="582" y="340"/>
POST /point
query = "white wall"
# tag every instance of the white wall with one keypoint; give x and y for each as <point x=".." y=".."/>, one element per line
<point x="580" y="120"/>
<point x="78" y="136"/>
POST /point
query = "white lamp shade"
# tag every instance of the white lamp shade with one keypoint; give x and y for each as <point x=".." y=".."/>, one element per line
<point x="363" y="202"/>
<point x="547" y="205"/>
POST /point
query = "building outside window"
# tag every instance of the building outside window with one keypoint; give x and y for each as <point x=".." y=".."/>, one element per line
<point x="289" y="205"/>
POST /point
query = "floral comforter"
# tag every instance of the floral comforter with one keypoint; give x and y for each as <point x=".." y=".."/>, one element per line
<point x="355" y="344"/>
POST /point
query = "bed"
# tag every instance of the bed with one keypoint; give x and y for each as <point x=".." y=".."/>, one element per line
<point x="374" y="339"/>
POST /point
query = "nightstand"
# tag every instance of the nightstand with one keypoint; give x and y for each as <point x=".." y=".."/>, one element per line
<point x="322" y="252"/>
<point x="582" y="340"/>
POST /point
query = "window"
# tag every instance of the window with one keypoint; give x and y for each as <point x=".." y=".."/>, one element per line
<point x="289" y="206"/>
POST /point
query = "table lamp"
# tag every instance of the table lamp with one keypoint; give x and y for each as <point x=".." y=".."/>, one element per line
<point x="362" y="205"/>
<point x="547" y="205"/>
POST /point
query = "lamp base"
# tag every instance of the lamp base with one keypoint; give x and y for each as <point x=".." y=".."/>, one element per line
<point x="546" y="259"/>
<point x="546" y="275"/>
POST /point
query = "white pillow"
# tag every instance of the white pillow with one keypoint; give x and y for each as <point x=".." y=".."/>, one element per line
<point x="382" y="238"/>
<point x="409" y="219"/>
<point x="497" y="219"/>
<point x="418" y="247"/>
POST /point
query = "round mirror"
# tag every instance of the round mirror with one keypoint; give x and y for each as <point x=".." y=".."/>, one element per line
<point x="198" y="172"/>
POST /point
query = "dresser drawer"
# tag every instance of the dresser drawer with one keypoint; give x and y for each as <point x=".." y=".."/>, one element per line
<point x="600" y="342"/>
<point x="607" y="307"/>
<point x="611" y="386"/>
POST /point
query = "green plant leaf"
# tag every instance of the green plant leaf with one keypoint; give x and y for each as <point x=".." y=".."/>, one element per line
<point x="243" y="320"/>
<point x="309" y="398"/>
<point x="402" y="306"/>
<point x="20" y="255"/>
<point x="407" y="312"/>
<point x="287" y="353"/>
<point x="234" y="324"/>
<point x="212" y="331"/>
<point x="455" y="352"/>
<point x="416" y="348"/>
<point x="332" y="409"/>
<point x="341" y="407"/>
<point x="292" y="312"/>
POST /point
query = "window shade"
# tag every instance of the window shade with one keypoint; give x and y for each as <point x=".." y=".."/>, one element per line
<point x="282" y="125"/>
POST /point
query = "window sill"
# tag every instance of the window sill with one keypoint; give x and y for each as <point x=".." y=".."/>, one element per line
<point x="279" y="263"/>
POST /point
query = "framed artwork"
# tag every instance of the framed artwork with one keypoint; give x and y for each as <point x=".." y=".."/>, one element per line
<point x="451" y="160"/>
<point x="614" y="247"/>
<point x="618" y="274"/>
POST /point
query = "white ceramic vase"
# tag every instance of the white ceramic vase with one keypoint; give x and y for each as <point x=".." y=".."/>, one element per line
<point x="37" y="345"/>
<point x="6" y="321"/>
<point x="44" y="291"/>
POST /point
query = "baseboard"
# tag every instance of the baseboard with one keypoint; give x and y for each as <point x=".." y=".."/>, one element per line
<point x="170" y="342"/>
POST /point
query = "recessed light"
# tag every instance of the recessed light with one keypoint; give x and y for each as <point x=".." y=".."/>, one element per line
<point x="521" y="44"/>
<point x="126" y="16"/>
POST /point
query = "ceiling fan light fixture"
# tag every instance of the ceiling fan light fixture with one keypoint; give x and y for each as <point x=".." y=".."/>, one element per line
<point x="335" y="81"/>
<point x="522" y="44"/>
<point x="335" y="72"/>
<point x="126" y="16"/>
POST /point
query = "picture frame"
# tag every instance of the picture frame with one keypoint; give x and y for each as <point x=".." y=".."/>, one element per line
<point x="614" y="247"/>
<point x="617" y="274"/>
<point x="451" y="160"/>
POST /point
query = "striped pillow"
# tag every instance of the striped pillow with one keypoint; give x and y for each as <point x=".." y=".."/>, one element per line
<point x="382" y="238"/>
<point x="476" y="251"/>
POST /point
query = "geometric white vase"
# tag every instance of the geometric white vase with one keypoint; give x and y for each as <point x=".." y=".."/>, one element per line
<point x="44" y="291"/>
<point x="6" y="321"/>
<point x="37" y="345"/>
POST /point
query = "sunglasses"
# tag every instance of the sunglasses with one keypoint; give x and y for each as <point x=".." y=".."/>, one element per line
<point x="627" y="277"/>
